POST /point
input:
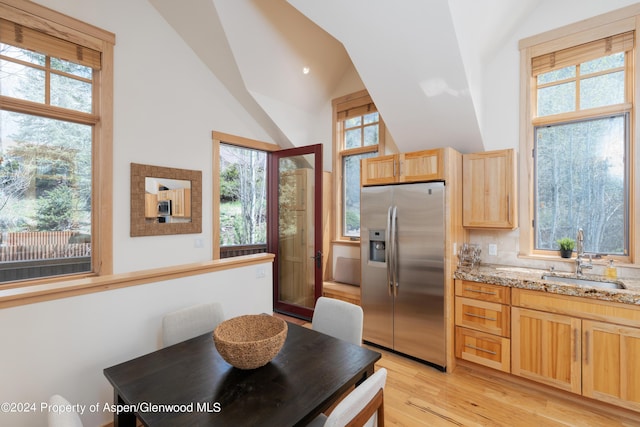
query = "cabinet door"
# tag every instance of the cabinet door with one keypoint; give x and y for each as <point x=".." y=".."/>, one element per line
<point x="611" y="363"/>
<point x="426" y="165"/>
<point x="181" y="202"/>
<point x="379" y="170"/>
<point x="489" y="190"/>
<point x="545" y="347"/>
<point x="150" y="205"/>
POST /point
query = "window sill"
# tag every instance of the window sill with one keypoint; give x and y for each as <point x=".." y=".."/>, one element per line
<point x="23" y="295"/>
<point x="602" y="261"/>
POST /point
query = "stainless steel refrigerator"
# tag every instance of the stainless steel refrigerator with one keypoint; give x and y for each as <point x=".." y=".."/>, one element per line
<point x="402" y="238"/>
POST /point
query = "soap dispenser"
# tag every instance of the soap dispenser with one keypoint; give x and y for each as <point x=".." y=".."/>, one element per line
<point x="611" y="271"/>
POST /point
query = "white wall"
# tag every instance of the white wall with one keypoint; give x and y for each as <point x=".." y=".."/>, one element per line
<point x="62" y="346"/>
<point x="501" y="73"/>
<point x="166" y="104"/>
<point x="501" y="96"/>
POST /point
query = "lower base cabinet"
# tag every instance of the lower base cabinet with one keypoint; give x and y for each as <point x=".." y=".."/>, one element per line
<point x="587" y="347"/>
<point x="557" y="340"/>
<point x="482" y="348"/>
<point x="546" y="348"/>
<point x="611" y="363"/>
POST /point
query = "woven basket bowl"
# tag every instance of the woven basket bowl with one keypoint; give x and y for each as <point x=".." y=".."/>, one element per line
<point x="250" y="341"/>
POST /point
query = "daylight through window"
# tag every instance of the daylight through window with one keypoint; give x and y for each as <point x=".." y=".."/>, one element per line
<point x="581" y="145"/>
<point x="46" y="140"/>
<point x="243" y="200"/>
<point x="359" y="135"/>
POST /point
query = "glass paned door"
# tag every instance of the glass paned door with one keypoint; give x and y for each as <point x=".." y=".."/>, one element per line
<point x="297" y="233"/>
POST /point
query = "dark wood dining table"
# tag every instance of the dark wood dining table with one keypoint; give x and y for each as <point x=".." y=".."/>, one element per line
<point x="189" y="384"/>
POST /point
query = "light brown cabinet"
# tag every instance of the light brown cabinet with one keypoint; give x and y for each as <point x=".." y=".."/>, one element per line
<point x="482" y="317"/>
<point x="611" y="363"/>
<point x="150" y="205"/>
<point x="180" y="201"/>
<point x="582" y="346"/>
<point x="418" y="166"/>
<point x="489" y="190"/>
<point x="546" y="348"/>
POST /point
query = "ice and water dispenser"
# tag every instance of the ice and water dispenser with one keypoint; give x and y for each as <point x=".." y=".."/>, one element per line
<point x="376" y="245"/>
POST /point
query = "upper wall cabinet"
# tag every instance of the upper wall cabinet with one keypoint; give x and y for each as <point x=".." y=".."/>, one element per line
<point x="426" y="165"/>
<point x="489" y="190"/>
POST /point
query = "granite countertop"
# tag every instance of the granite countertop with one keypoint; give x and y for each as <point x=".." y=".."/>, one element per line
<point x="531" y="278"/>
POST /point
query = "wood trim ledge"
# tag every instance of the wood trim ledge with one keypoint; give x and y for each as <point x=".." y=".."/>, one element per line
<point x="38" y="293"/>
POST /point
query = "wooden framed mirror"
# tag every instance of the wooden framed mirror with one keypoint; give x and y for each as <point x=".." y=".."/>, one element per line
<point x="165" y="201"/>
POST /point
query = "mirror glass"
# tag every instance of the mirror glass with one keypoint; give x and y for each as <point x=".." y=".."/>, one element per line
<point x="165" y="200"/>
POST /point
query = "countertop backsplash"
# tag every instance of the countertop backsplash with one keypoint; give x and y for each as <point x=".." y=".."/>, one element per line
<point x="507" y="243"/>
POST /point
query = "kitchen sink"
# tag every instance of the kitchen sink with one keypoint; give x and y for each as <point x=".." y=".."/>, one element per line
<point x="584" y="282"/>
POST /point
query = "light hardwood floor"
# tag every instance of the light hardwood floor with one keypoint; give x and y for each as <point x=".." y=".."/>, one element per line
<point x="418" y="395"/>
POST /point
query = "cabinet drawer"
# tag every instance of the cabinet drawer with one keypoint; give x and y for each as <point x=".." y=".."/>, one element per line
<point x="483" y="291"/>
<point x="484" y="349"/>
<point x="483" y="316"/>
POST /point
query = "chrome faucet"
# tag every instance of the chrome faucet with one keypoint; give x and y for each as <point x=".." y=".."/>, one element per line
<point x="580" y="242"/>
<point x="580" y="262"/>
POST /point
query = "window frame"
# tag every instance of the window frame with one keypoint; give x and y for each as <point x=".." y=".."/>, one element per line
<point x="31" y="15"/>
<point x="224" y="138"/>
<point x="358" y="101"/>
<point x="590" y="30"/>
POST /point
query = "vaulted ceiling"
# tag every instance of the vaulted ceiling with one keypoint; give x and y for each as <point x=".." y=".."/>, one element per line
<point x="421" y="60"/>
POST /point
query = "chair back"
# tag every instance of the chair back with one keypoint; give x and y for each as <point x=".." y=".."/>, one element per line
<point x="337" y="318"/>
<point x="190" y="322"/>
<point x="364" y="406"/>
<point x="62" y="418"/>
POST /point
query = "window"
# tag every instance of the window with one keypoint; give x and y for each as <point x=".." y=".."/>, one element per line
<point x="53" y="127"/>
<point x="243" y="200"/>
<point x="240" y="195"/>
<point x="359" y="134"/>
<point x="581" y="132"/>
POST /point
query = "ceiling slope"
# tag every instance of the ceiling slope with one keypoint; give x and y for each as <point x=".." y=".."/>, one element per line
<point x="272" y="42"/>
<point x="406" y="54"/>
<point x="199" y="26"/>
<point x="408" y="57"/>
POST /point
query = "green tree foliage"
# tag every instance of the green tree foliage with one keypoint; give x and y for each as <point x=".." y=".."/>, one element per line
<point x="229" y="183"/>
<point x="55" y="210"/>
<point x="49" y="153"/>
<point x="243" y="183"/>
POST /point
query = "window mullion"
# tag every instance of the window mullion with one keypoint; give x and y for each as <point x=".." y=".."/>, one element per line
<point x="47" y="81"/>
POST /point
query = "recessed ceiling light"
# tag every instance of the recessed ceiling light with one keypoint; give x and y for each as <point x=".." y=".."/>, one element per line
<point x="305" y="70"/>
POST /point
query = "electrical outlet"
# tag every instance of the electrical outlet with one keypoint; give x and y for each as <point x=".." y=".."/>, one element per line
<point x="493" y="249"/>
<point x="198" y="243"/>
<point x="260" y="272"/>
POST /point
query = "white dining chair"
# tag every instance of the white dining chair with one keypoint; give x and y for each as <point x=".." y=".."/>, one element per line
<point x="62" y="418"/>
<point x="364" y="406"/>
<point x="190" y="322"/>
<point x="339" y="319"/>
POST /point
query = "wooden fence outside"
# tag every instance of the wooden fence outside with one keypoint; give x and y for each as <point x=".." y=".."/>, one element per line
<point x="42" y="245"/>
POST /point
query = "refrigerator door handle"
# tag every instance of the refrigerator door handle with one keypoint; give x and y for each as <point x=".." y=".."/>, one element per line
<point x="388" y="252"/>
<point x="394" y="238"/>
